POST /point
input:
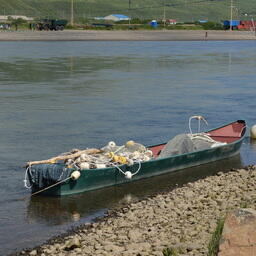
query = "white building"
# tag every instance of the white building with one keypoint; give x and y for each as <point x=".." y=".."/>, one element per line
<point x="5" y="17"/>
<point x="116" y="17"/>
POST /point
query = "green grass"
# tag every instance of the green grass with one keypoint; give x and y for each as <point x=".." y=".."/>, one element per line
<point x="182" y="10"/>
<point x="213" y="246"/>
<point x="244" y="204"/>
<point x="170" y="252"/>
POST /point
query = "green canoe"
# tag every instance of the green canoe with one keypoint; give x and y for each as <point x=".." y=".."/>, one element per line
<point x="230" y="137"/>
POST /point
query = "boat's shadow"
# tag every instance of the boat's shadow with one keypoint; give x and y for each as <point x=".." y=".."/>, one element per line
<point x="66" y="209"/>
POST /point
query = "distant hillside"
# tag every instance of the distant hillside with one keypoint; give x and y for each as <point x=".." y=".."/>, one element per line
<point x="182" y="10"/>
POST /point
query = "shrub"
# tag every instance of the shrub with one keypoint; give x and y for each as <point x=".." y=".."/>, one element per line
<point x="213" y="246"/>
<point x="211" y="25"/>
<point x="170" y="252"/>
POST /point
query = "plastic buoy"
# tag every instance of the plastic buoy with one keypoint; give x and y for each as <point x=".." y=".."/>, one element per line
<point x="84" y="165"/>
<point x="253" y="132"/>
<point x="149" y="153"/>
<point x="75" y="175"/>
<point x="111" y="144"/>
<point x="146" y="158"/>
<point x="83" y="157"/>
<point x="128" y="175"/>
<point x="130" y="162"/>
<point x="76" y="216"/>
<point x="129" y="143"/>
<point x="100" y="166"/>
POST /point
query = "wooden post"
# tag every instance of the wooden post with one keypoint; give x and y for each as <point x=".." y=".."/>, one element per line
<point x="65" y="157"/>
<point x="72" y="13"/>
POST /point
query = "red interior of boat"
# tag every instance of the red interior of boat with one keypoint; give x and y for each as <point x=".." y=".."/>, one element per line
<point x="228" y="134"/>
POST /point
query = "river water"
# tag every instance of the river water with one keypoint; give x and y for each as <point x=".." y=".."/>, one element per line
<point x="55" y="96"/>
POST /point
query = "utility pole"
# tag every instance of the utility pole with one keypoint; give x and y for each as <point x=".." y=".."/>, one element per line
<point x="164" y="14"/>
<point x="231" y="14"/>
<point x="130" y="2"/>
<point x="253" y="25"/>
<point x="72" y="13"/>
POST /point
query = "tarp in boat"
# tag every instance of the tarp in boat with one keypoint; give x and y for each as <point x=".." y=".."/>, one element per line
<point x="43" y="175"/>
<point x="183" y="143"/>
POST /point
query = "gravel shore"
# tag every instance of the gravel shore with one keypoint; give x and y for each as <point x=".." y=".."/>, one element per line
<point x="116" y="35"/>
<point x="183" y="218"/>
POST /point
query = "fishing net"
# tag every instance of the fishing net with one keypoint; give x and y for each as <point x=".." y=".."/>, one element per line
<point x="43" y="175"/>
<point x="186" y="143"/>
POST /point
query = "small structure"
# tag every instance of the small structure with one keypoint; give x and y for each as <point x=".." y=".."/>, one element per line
<point x="202" y="21"/>
<point x="171" y="22"/>
<point x="247" y="25"/>
<point x="5" y="17"/>
<point x="116" y="17"/>
<point x="153" y="24"/>
<point x="240" y="24"/>
<point x="5" y="26"/>
<point x="234" y="24"/>
<point x="98" y="18"/>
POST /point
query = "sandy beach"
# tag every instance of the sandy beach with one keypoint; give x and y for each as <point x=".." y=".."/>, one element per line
<point x="137" y="35"/>
<point x="184" y="218"/>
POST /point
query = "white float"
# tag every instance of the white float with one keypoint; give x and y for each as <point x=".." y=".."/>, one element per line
<point x="253" y="132"/>
<point x="75" y="175"/>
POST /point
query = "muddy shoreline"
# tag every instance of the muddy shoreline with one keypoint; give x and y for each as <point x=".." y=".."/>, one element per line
<point x="183" y="218"/>
<point x="136" y="35"/>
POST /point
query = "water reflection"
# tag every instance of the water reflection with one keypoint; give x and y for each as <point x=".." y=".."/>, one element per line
<point x="61" y="210"/>
<point x="56" y="68"/>
<point x="253" y="145"/>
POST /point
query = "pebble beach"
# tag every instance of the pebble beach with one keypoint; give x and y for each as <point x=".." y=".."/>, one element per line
<point x="183" y="219"/>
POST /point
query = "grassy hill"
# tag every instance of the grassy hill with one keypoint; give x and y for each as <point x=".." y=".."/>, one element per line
<point x="182" y="10"/>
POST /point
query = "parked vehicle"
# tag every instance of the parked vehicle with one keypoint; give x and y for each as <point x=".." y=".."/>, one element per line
<point x="5" y="26"/>
<point x="234" y="24"/>
<point x="51" y="24"/>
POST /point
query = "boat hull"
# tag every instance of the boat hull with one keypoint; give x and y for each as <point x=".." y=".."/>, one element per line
<point x="100" y="178"/>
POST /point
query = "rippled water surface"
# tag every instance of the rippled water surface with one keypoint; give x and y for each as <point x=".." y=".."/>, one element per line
<point x="55" y="96"/>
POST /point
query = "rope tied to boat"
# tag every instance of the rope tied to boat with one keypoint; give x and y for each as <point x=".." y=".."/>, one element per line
<point x="51" y="186"/>
<point x="29" y="177"/>
<point x="74" y="175"/>
<point x="199" y="118"/>
<point x="202" y="135"/>
<point x="128" y="174"/>
<point x="26" y="181"/>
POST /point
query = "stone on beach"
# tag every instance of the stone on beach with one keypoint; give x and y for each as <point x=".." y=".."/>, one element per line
<point x="72" y="244"/>
<point x="239" y="234"/>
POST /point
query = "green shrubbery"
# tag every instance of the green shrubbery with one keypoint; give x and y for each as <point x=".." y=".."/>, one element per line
<point x="213" y="246"/>
<point x="170" y="252"/>
<point x="211" y="25"/>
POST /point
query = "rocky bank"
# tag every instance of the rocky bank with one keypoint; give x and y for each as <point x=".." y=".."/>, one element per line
<point x="183" y="218"/>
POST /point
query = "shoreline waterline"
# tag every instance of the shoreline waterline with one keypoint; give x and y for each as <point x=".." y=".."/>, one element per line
<point x="183" y="218"/>
<point x="117" y="35"/>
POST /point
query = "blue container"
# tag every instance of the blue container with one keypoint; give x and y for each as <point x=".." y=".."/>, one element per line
<point x="153" y="24"/>
<point x="234" y="23"/>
